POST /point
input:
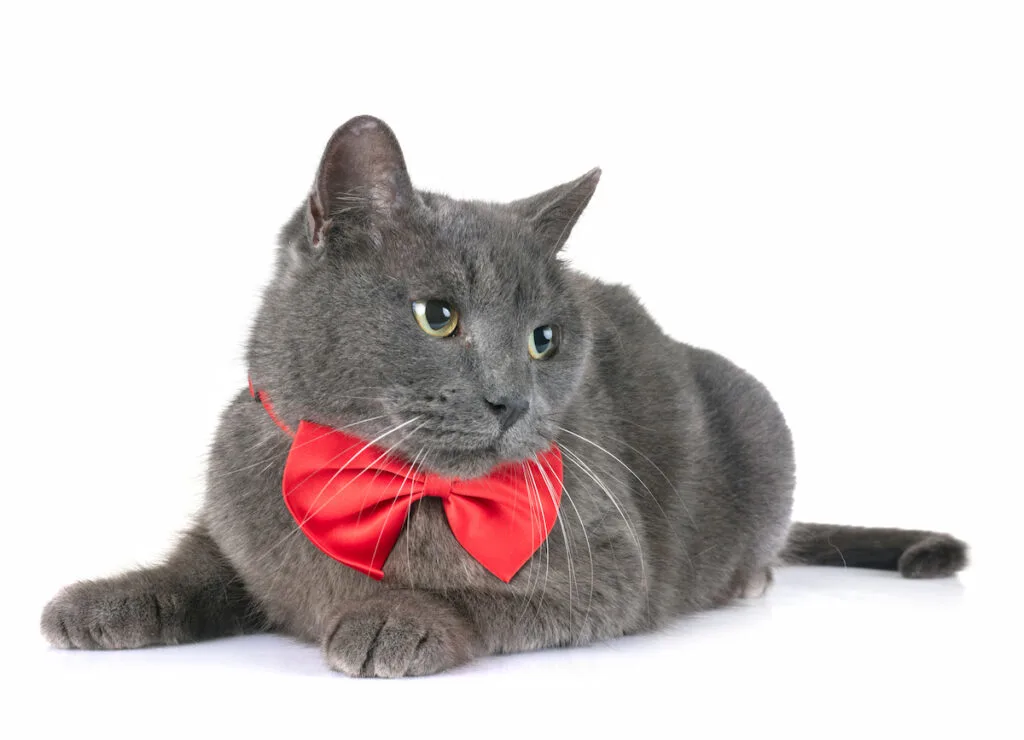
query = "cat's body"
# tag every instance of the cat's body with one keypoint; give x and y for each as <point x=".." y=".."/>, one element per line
<point x="684" y="567"/>
<point x="678" y="465"/>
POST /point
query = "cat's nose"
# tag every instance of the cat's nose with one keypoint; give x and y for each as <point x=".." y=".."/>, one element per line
<point x="508" y="409"/>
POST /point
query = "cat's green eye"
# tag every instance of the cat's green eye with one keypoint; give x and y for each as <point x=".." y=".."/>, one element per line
<point x="436" y="318"/>
<point x="543" y="342"/>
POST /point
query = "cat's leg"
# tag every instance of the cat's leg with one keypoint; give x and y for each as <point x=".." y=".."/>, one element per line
<point x="512" y="623"/>
<point x="410" y="631"/>
<point x="400" y="633"/>
<point x="407" y="632"/>
<point x="194" y="595"/>
<point x="413" y="633"/>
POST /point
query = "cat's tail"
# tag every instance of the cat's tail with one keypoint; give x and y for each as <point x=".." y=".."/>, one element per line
<point x="915" y="554"/>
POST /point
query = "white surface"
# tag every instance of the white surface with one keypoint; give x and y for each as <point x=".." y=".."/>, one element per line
<point x="845" y="651"/>
<point x="832" y="197"/>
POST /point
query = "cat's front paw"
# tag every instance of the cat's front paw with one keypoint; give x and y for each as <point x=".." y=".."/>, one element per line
<point x="97" y="615"/>
<point x="401" y="633"/>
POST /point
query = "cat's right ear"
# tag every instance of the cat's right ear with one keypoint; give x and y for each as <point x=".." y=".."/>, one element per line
<point x="362" y="172"/>
<point x="554" y="212"/>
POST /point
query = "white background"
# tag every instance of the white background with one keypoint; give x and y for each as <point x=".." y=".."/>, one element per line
<point x="829" y="193"/>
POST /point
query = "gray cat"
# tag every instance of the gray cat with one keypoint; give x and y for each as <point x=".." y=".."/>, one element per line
<point x="451" y="332"/>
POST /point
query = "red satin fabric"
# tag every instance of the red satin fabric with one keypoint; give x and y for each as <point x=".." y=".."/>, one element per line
<point x="351" y="500"/>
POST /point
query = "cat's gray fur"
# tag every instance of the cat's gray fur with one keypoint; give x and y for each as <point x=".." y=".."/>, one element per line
<point x="679" y="465"/>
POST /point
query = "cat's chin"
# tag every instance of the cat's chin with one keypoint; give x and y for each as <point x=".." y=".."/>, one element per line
<point x="465" y="464"/>
<point x="474" y="463"/>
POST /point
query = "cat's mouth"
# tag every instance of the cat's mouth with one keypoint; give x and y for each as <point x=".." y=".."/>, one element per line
<point x="461" y="445"/>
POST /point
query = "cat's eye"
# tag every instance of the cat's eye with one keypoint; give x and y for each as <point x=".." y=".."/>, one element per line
<point x="543" y="342"/>
<point x="436" y="318"/>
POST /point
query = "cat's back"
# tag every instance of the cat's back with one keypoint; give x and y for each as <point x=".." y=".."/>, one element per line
<point x="705" y="422"/>
<point x="627" y="341"/>
<point x="633" y="352"/>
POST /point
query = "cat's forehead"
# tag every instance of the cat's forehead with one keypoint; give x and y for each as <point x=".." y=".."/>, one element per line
<point x="478" y="250"/>
<point x="449" y="222"/>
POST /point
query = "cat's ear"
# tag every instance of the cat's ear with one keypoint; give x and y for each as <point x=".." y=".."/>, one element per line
<point x="362" y="171"/>
<point x="554" y="212"/>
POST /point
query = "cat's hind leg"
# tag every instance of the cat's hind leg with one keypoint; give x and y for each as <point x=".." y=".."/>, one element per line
<point x="194" y="595"/>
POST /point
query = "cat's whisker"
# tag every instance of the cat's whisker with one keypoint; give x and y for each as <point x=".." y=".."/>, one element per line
<point x="301" y="563"/>
<point x="620" y="462"/>
<point x="552" y="483"/>
<point x="565" y="537"/>
<point x="546" y="542"/>
<point x="590" y="477"/>
<point x="529" y="582"/>
<point x="408" y="512"/>
<point x="383" y="399"/>
<point x="531" y="585"/>
<point x="310" y="441"/>
<point x="342" y="467"/>
<point x="405" y="479"/>
<point x="582" y="465"/>
<point x="647" y="489"/>
<point x="298" y="527"/>
<point x="358" y="475"/>
<point x="668" y="480"/>
<point x="611" y="417"/>
<point x="362" y="505"/>
<point x="590" y="555"/>
<point x="275" y="458"/>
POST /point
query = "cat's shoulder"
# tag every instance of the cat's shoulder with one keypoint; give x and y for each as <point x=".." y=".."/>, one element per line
<point x="605" y="294"/>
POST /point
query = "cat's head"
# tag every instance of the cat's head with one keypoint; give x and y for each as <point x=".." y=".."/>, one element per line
<point x="446" y="330"/>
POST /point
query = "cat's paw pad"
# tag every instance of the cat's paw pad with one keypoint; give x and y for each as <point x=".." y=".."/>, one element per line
<point x="98" y="616"/>
<point x="389" y="638"/>
<point x="935" y="556"/>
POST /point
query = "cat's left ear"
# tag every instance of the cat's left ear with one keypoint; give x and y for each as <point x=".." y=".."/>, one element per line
<point x="554" y="212"/>
<point x="362" y="172"/>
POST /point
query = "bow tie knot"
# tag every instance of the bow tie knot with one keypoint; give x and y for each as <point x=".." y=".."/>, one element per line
<point x="436" y="485"/>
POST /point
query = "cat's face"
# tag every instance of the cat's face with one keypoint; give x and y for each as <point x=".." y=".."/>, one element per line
<point x="446" y="330"/>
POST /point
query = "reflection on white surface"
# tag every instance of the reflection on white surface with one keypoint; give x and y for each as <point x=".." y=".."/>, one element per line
<point x="823" y="641"/>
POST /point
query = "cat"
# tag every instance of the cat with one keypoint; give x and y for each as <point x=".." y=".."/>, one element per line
<point x="452" y="335"/>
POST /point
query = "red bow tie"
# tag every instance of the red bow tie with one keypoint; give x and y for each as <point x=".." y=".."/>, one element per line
<point x="351" y="499"/>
